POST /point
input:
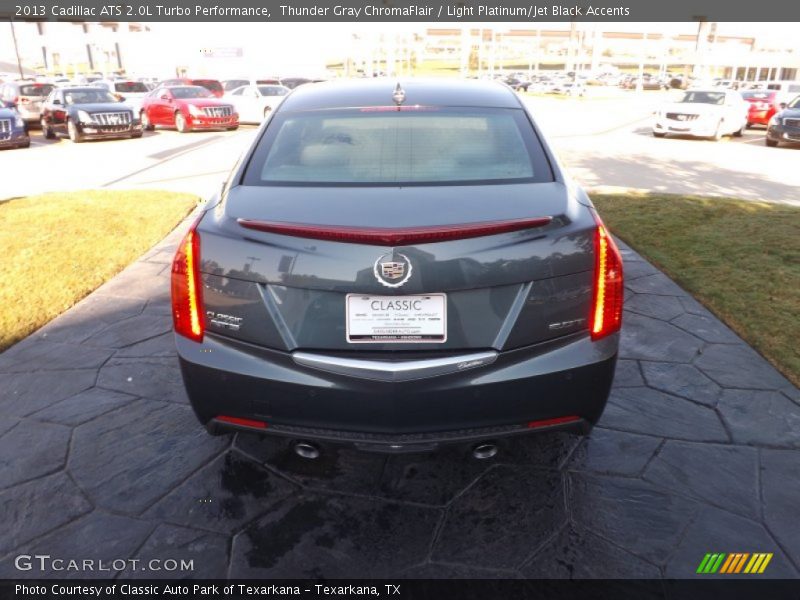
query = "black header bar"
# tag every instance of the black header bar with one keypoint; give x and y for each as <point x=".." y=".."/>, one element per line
<point x="734" y="588"/>
<point x="382" y="11"/>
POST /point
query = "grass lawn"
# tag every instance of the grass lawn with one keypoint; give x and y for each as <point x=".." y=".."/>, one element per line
<point x="739" y="258"/>
<point x="59" y="247"/>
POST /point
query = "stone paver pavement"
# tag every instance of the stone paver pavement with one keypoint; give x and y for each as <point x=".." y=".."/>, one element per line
<point x="101" y="457"/>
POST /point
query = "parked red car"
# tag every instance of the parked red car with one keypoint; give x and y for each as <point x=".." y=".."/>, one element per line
<point x="187" y="107"/>
<point x="212" y="85"/>
<point x="763" y="105"/>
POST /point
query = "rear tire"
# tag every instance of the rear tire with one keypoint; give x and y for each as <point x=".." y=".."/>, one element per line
<point x="749" y="125"/>
<point x="771" y="143"/>
<point x="74" y="135"/>
<point x="146" y="124"/>
<point x="136" y="135"/>
<point x="25" y="144"/>
<point x="180" y="123"/>
<point x="46" y="131"/>
<point x="739" y="133"/>
<point x="233" y="128"/>
<point x="659" y="134"/>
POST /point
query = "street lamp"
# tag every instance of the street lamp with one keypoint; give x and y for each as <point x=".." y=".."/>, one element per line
<point x="16" y="50"/>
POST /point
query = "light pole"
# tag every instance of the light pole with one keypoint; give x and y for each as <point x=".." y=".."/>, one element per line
<point x="16" y="50"/>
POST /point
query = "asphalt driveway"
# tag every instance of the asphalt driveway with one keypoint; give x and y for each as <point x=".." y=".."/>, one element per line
<point x="101" y="458"/>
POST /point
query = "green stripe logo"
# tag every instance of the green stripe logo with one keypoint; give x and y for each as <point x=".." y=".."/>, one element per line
<point x="734" y="563"/>
<point x="711" y="563"/>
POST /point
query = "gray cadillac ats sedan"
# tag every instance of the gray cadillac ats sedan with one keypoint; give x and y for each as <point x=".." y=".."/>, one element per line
<point x="397" y="266"/>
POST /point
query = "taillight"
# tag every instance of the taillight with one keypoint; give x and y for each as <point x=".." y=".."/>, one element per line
<point x="395" y="236"/>
<point x="554" y="421"/>
<point x="608" y="293"/>
<point x="187" y="298"/>
<point x="242" y="422"/>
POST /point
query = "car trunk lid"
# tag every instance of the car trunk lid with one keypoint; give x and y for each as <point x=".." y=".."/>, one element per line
<point x="511" y="287"/>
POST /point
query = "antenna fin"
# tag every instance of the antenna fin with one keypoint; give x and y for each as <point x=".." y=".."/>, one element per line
<point x="399" y="94"/>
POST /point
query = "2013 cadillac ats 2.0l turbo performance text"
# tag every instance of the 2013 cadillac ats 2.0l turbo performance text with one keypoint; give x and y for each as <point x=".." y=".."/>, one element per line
<point x="398" y="266"/>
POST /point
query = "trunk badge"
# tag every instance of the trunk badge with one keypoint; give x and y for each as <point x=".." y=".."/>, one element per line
<point x="392" y="269"/>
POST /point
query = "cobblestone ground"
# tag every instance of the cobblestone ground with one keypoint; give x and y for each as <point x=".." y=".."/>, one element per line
<point x="101" y="457"/>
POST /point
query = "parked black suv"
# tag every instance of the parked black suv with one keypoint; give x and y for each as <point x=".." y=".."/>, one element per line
<point x="84" y="112"/>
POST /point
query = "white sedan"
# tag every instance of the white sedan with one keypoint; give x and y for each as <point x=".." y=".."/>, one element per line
<point x="254" y="103"/>
<point x="707" y="113"/>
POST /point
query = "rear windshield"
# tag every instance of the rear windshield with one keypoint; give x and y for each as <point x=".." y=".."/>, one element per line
<point x="190" y="91"/>
<point x="131" y="87"/>
<point x="209" y="84"/>
<point x="384" y="146"/>
<point x="273" y="90"/>
<point x="704" y="98"/>
<point x="87" y="96"/>
<point x="757" y="95"/>
<point x="232" y="84"/>
<point x="35" y="89"/>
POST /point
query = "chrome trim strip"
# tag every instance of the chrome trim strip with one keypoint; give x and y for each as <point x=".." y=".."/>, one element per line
<point x="270" y="299"/>
<point x="513" y="314"/>
<point x="395" y="370"/>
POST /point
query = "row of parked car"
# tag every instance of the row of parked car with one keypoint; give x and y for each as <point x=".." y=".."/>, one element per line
<point x="715" y="112"/>
<point x="125" y="108"/>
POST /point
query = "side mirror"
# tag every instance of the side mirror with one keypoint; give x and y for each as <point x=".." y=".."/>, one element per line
<point x="57" y="101"/>
<point x="165" y="97"/>
<point x="782" y="105"/>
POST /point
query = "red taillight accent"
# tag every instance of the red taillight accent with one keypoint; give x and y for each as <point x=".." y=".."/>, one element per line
<point x="381" y="236"/>
<point x="554" y="421"/>
<point x="243" y="422"/>
<point x="608" y="293"/>
<point x="187" y="297"/>
<point x="396" y="108"/>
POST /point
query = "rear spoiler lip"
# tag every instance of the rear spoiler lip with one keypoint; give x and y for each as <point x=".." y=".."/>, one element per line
<point x="394" y="236"/>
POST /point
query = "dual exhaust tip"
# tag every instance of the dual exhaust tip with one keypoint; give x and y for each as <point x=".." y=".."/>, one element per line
<point x="309" y="451"/>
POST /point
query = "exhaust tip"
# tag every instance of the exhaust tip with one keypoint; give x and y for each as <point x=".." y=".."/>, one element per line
<point x="484" y="451"/>
<point x="306" y="450"/>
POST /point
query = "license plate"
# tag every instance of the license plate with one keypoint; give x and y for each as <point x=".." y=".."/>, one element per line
<point x="396" y="319"/>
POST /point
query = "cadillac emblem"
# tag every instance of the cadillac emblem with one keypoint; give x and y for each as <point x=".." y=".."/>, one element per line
<point x="392" y="269"/>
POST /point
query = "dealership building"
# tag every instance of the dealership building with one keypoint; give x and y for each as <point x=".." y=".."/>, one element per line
<point x="744" y="51"/>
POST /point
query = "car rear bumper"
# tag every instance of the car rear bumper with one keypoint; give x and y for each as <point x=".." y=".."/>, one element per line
<point x="15" y="138"/>
<point x="28" y="115"/>
<point x="100" y="131"/>
<point x="759" y="117"/>
<point x="212" y="122"/>
<point x="782" y="133"/>
<point x="558" y="384"/>
<point x="693" y="128"/>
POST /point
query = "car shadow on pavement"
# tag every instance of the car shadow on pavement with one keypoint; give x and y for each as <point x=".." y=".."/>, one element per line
<point x="752" y="135"/>
<point x="677" y="176"/>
